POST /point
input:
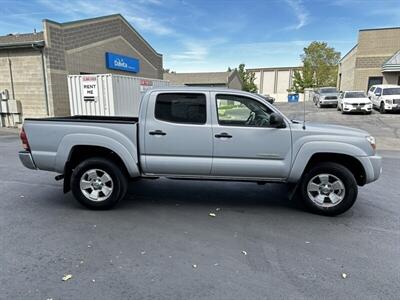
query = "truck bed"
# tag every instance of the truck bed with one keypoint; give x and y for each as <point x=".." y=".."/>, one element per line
<point x="95" y="119"/>
<point x="52" y="139"/>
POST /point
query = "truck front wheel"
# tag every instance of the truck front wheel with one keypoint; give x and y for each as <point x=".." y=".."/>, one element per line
<point x="98" y="183"/>
<point x="329" y="189"/>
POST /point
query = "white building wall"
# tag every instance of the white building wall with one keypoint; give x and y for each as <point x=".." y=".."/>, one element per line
<point x="269" y="82"/>
<point x="274" y="81"/>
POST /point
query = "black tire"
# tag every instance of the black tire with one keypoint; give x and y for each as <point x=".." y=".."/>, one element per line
<point x="119" y="184"/>
<point x="342" y="173"/>
<point x="382" y="108"/>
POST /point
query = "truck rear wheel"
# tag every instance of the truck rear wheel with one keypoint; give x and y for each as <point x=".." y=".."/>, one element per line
<point x="329" y="189"/>
<point x="98" y="183"/>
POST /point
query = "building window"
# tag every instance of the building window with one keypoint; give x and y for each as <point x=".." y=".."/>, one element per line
<point x="374" y="81"/>
<point x="398" y="81"/>
<point x="181" y="108"/>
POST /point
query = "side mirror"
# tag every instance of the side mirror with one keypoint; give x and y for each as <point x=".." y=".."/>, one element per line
<point x="276" y="121"/>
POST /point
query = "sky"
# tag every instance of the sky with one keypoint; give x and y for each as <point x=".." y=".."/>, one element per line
<point x="212" y="35"/>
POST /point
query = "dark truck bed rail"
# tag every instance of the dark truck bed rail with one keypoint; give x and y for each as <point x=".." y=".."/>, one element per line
<point x="94" y="119"/>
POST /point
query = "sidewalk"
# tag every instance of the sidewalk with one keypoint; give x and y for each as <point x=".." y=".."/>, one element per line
<point x="9" y="131"/>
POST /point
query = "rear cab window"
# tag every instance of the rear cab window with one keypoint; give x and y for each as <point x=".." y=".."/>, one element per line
<point x="185" y="108"/>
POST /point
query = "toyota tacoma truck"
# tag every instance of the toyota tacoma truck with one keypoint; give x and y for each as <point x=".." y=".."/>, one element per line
<point x="202" y="134"/>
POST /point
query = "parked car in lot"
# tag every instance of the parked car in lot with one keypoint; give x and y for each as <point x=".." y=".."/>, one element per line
<point x="354" y="101"/>
<point x="326" y="96"/>
<point x="203" y="134"/>
<point x="385" y="97"/>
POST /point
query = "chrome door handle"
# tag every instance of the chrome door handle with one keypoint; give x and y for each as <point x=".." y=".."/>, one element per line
<point x="223" y="135"/>
<point x="157" y="132"/>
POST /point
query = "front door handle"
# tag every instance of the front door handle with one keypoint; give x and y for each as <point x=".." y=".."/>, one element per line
<point x="223" y="135"/>
<point x="157" y="132"/>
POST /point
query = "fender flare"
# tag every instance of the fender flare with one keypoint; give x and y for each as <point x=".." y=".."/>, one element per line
<point x="128" y="156"/>
<point x="307" y="150"/>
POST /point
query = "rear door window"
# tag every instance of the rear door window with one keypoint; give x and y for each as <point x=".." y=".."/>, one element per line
<point x="186" y="108"/>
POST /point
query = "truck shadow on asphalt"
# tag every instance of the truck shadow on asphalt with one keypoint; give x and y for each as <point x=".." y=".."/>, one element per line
<point x="209" y="193"/>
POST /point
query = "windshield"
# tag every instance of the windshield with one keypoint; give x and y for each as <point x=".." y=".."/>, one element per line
<point x="328" y="90"/>
<point x="355" y="95"/>
<point x="391" y="91"/>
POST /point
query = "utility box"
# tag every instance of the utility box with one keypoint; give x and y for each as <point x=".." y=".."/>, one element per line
<point x="108" y="94"/>
<point x="14" y="107"/>
<point x="3" y="107"/>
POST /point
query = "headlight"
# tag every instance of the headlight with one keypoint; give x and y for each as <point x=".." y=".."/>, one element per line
<point x="346" y="103"/>
<point x="388" y="101"/>
<point x="371" y="141"/>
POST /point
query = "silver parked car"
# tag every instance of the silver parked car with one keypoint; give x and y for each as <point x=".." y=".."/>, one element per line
<point x="326" y="96"/>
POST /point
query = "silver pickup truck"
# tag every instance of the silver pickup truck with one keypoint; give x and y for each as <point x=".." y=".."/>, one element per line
<point x="203" y="134"/>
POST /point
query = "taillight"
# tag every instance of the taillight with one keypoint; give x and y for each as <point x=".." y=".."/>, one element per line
<point x="24" y="140"/>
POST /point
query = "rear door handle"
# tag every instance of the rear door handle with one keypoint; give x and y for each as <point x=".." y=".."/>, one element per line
<point x="157" y="132"/>
<point x="223" y="135"/>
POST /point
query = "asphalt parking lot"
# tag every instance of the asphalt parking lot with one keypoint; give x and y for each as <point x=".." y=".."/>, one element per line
<point x="162" y="243"/>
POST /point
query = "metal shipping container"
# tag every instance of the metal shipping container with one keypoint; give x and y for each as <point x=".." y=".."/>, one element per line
<point x="108" y="94"/>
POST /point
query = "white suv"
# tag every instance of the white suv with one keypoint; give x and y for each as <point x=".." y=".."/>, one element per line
<point x="385" y="97"/>
<point x="354" y="101"/>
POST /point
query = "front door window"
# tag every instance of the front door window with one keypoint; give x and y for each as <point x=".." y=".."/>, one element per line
<point x="236" y="110"/>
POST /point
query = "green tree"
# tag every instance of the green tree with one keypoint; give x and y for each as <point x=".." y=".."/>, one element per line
<point x="320" y="67"/>
<point x="247" y="79"/>
<point x="168" y="71"/>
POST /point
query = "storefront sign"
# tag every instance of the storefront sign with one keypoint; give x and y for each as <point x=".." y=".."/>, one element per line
<point x="89" y="88"/>
<point x="122" y="63"/>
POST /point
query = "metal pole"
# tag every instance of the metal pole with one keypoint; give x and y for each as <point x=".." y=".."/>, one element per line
<point x="11" y="75"/>
<point x="45" y="83"/>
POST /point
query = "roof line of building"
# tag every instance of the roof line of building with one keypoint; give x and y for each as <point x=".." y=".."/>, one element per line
<point x="273" y="68"/>
<point x="348" y="52"/>
<point x="29" y="44"/>
<point x="232" y="75"/>
<point x="383" y="28"/>
<point x="103" y="18"/>
<point x="217" y="72"/>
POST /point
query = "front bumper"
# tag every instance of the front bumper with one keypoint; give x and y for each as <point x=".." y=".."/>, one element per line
<point x="393" y="107"/>
<point x="372" y="166"/>
<point x="357" y="108"/>
<point x="328" y="102"/>
<point x="26" y="158"/>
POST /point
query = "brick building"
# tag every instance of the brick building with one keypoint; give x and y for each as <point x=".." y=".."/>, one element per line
<point x="375" y="59"/>
<point x="34" y="66"/>
<point x="229" y="79"/>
